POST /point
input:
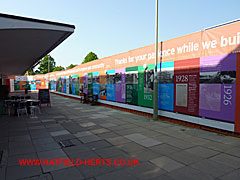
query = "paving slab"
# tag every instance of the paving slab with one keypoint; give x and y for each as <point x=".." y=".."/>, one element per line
<point x="59" y="133"/>
<point x="166" y="163"/>
<point x="71" y="173"/>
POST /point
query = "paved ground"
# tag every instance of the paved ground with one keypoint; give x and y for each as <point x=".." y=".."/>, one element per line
<point x="165" y="151"/>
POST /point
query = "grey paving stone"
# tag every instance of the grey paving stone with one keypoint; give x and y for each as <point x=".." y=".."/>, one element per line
<point x="234" y="151"/>
<point x="48" y="120"/>
<point x="18" y="172"/>
<point x="87" y="139"/>
<point x="58" y="153"/>
<point x="59" y="133"/>
<point x="116" y="175"/>
<point x="43" y="141"/>
<point x="109" y="152"/>
<point x="2" y="173"/>
<point x="100" y="131"/>
<point x="131" y="147"/>
<point x="21" y="150"/>
<point x="188" y="173"/>
<point x="83" y="133"/>
<point x="98" y="145"/>
<point x="88" y="124"/>
<point x="52" y="155"/>
<point x="76" y="149"/>
<point x="118" y="140"/>
<point x="163" y="177"/>
<point x="185" y="157"/>
<point x="71" y="173"/>
<point x="145" y="171"/>
<point x="47" y="147"/>
<point x="202" y="151"/>
<point x="234" y="175"/>
<point x="64" y="137"/>
<point x="218" y="146"/>
<point x="108" y="135"/>
<point x="20" y="138"/>
<point x="166" y="163"/>
<point x="107" y="125"/>
<point x="227" y="160"/>
<point x="149" y="142"/>
<point x="145" y="155"/>
<point x="212" y="168"/>
<point x="135" y="136"/>
<point x="164" y="149"/>
<point x="14" y="160"/>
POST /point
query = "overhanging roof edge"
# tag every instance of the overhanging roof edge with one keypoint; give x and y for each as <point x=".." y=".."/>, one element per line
<point x="36" y="20"/>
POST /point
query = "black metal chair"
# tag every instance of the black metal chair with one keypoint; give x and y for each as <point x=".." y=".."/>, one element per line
<point x="35" y="105"/>
<point x="27" y="97"/>
<point x="22" y="107"/>
<point x="8" y="106"/>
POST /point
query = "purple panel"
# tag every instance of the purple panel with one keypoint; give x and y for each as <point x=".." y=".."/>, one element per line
<point x="85" y="83"/>
<point x="217" y="101"/>
<point x="120" y="89"/>
<point x="226" y="62"/>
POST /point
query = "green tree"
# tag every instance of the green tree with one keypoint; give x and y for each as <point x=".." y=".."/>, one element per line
<point x="30" y="72"/>
<point x="71" y="66"/>
<point x="58" y="68"/>
<point x="43" y="66"/>
<point x="90" y="57"/>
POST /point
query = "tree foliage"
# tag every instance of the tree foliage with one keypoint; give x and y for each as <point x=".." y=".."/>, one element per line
<point x="71" y="66"/>
<point x="43" y="66"/>
<point x="30" y="72"/>
<point x="90" y="57"/>
<point x="58" y="68"/>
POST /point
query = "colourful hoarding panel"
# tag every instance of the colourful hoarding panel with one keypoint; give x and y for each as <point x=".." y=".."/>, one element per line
<point x="132" y="85"/>
<point x="111" y="85"/>
<point x="103" y="85"/>
<point x="217" y="87"/>
<point x="166" y="86"/>
<point x="96" y="87"/>
<point x="90" y="83"/>
<point x="145" y="85"/>
<point x="120" y="87"/>
<point x="186" y="89"/>
<point x="85" y="83"/>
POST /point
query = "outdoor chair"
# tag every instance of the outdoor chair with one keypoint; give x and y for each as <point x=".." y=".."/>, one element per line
<point x="27" y="97"/>
<point x="8" y="106"/>
<point x="35" y="105"/>
<point x="22" y="107"/>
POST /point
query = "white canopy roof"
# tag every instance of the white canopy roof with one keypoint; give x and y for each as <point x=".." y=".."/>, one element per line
<point x="24" y="41"/>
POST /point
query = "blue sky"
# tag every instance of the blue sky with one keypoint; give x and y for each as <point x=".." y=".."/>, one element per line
<point x="109" y="27"/>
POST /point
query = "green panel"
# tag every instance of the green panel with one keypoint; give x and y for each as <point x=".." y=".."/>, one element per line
<point x="132" y="85"/>
<point x="132" y="94"/>
<point x="135" y="68"/>
<point x="70" y="85"/>
<point x="145" y="88"/>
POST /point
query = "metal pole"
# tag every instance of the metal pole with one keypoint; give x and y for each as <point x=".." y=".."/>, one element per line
<point x="48" y="72"/>
<point x="155" y="96"/>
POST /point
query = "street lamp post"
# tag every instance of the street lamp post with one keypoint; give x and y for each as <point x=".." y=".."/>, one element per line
<point x="155" y="102"/>
<point x="48" y="72"/>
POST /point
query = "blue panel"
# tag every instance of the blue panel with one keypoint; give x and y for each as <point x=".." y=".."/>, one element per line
<point x="111" y="92"/>
<point x="33" y="87"/>
<point x="96" y="89"/>
<point x="166" y="64"/>
<point x="111" y="71"/>
<point x="73" y="89"/>
<point x="165" y="96"/>
<point x="95" y="73"/>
